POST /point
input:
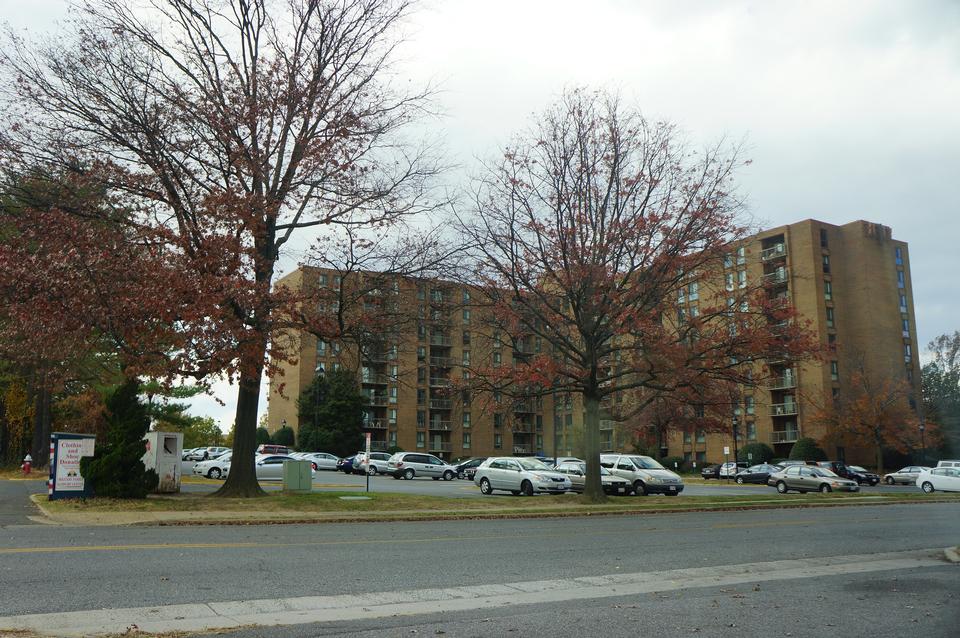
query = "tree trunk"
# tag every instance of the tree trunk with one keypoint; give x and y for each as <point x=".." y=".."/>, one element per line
<point x="242" y="480"/>
<point x="879" y="458"/>
<point x="593" y="488"/>
<point x="40" y="450"/>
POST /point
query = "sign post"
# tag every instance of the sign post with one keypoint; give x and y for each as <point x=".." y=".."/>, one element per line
<point x="66" y="450"/>
<point x="726" y="459"/>
<point x="367" y="455"/>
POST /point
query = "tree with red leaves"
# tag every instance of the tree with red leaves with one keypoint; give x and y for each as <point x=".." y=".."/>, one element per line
<point x="584" y="235"/>
<point x="224" y="129"/>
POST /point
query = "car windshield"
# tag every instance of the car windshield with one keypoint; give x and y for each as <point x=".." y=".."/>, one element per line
<point x="822" y="471"/>
<point x="646" y="463"/>
<point x="856" y="468"/>
<point x="532" y="464"/>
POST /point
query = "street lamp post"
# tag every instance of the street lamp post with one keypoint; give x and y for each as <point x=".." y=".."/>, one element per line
<point x="736" y="424"/>
<point x="923" y="445"/>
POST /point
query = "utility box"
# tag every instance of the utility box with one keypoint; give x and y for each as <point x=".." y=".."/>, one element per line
<point x="163" y="454"/>
<point x="297" y="477"/>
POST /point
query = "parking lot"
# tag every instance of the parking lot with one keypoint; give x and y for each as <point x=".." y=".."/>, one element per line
<point x="338" y="481"/>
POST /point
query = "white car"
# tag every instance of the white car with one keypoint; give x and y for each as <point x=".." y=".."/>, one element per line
<point x="214" y="468"/>
<point x="645" y="475"/>
<point x="378" y="463"/>
<point x="204" y="453"/>
<point x="270" y="467"/>
<point x="321" y="460"/>
<point x="525" y="476"/>
<point x="939" y="479"/>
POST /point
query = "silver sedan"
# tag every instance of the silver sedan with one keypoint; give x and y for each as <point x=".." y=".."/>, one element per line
<point x="526" y="476"/>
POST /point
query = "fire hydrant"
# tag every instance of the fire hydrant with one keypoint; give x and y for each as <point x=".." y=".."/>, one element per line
<point x="27" y="462"/>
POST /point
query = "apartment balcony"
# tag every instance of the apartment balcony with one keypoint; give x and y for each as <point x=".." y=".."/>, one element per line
<point x="441" y="362"/>
<point x="784" y="436"/>
<point x="378" y="399"/>
<point x="783" y="409"/>
<point x="526" y="407"/>
<point x="774" y="252"/>
<point x="375" y="424"/>
<point x="441" y="340"/>
<point x="775" y="278"/>
<point x="606" y="424"/>
<point x="441" y="404"/>
<point x="440" y="446"/>
<point x="376" y="357"/>
<point x="375" y="379"/>
<point x="522" y="448"/>
<point x="784" y="382"/>
<point x="522" y="428"/>
<point x="440" y="382"/>
<point x="444" y="426"/>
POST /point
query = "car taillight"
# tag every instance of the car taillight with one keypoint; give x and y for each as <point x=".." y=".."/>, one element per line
<point x="399" y="463"/>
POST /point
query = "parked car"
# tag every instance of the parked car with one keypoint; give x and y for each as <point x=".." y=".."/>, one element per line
<point x="214" y="468"/>
<point x="845" y="471"/>
<point x="409" y="465"/>
<point x="576" y="471"/>
<point x="345" y="464"/>
<point x="710" y="472"/>
<point x="468" y="468"/>
<point x="321" y="460"/>
<point x="758" y="473"/>
<point x="809" y="478"/>
<point x="185" y="454"/>
<point x="564" y="459"/>
<point x="269" y="467"/>
<point x="939" y="479"/>
<point x="377" y="465"/>
<point x="862" y="475"/>
<point x="730" y="469"/>
<point x="268" y="448"/>
<point x="204" y="453"/>
<point x="646" y="476"/>
<point x="904" y="476"/>
<point x="519" y="475"/>
<point x="948" y="463"/>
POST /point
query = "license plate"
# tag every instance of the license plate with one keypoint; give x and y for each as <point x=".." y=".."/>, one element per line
<point x="673" y="488"/>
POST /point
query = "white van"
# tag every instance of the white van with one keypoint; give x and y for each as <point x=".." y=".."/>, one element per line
<point x="949" y="464"/>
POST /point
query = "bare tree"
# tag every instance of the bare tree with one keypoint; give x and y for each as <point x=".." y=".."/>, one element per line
<point x="226" y="127"/>
<point x="585" y="232"/>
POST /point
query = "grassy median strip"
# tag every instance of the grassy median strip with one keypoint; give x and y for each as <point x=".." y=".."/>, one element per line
<point x="328" y="506"/>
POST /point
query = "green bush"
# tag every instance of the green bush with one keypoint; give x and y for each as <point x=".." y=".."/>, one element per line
<point x="116" y="470"/>
<point x="394" y="449"/>
<point x="762" y="453"/>
<point x="283" y="436"/>
<point x="806" y="449"/>
<point x="263" y="436"/>
<point x="682" y="466"/>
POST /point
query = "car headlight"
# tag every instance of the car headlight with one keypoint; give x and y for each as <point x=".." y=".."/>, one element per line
<point x="540" y="477"/>
<point x="654" y="479"/>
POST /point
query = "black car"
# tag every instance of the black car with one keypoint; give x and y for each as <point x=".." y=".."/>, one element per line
<point x="757" y="473"/>
<point x="710" y="472"/>
<point x="346" y="465"/>
<point x="468" y="469"/>
<point x="843" y="470"/>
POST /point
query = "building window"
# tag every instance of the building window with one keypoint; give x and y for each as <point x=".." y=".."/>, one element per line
<point x="907" y="352"/>
<point x="694" y="290"/>
<point x="729" y="278"/>
<point x="421" y="439"/>
<point x="835" y="393"/>
<point x="539" y="442"/>
<point x="393" y="415"/>
<point x="903" y="303"/>
<point x="701" y="436"/>
<point x="466" y="374"/>
<point x="748" y="405"/>
<point x="742" y="278"/>
<point x="421" y="396"/>
<point x="466" y="440"/>
<point x="336" y="366"/>
<point x="465" y="396"/>
<point x="321" y="348"/>
<point x="466" y="315"/>
<point x="466" y="296"/>
<point x="834" y="371"/>
<point x="741" y="256"/>
<point x="393" y="438"/>
<point x="336" y="282"/>
<point x="323" y="281"/>
<point x="830" y="321"/>
<point x="466" y="419"/>
<point x="421" y="418"/>
<point x="421" y="353"/>
<point x="901" y="279"/>
<point x="466" y="357"/>
<point x="687" y="438"/>
<point x="466" y="337"/>
<point x="395" y="372"/>
<point x="826" y="264"/>
<point x="694" y="311"/>
<point x="422" y="332"/>
<point x="701" y="457"/>
<point x="751" y="431"/>
<point x="421" y="375"/>
<point x="393" y="395"/>
<point x="336" y="347"/>
<point x="832" y="341"/>
<point x="497" y="420"/>
<point x="899" y="255"/>
<point x="497" y="358"/>
<point x="828" y="291"/>
<point x="498" y="441"/>
<point x="682" y="294"/>
<point x="823" y="237"/>
<point x="727" y="260"/>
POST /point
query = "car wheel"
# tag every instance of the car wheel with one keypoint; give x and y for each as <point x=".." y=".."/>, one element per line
<point x="448" y="475"/>
<point x="461" y="475"/>
<point x="314" y="466"/>
<point x="825" y="489"/>
<point x="372" y="470"/>
<point x="739" y="480"/>
<point x="409" y="474"/>
<point x="527" y="488"/>
<point x="214" y="473"/>
<point x="890" y="480"/>
<point x="639" y="488"/>
<point x="927" y="487"/>
<point x="485" y="487"/>
<point x="781" y="487"/>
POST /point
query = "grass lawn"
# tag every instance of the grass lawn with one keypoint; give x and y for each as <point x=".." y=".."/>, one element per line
<point x="419" y="505"/>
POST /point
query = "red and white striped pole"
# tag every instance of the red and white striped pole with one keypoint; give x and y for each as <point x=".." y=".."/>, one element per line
<point x="52" y="470"/>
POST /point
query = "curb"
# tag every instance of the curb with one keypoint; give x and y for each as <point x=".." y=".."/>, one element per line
<point x="461" y="515"/>
<point x="952" y="554"/>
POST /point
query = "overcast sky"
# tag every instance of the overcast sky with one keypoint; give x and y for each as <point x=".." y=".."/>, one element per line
<point x="850" y="110"/>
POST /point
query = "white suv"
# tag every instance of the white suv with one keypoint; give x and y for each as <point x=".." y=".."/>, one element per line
<point x="408" y="465"/>
<point x="646" y="476"/>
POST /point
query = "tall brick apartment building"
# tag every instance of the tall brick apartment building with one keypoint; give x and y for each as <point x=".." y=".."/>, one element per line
<point x="850" y="282"/>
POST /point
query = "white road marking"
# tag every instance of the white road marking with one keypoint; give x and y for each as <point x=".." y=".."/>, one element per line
<point x="347" y="607"/>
